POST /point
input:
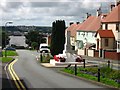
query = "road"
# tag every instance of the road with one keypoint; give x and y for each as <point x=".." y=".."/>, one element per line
<point x="36" y="76"/>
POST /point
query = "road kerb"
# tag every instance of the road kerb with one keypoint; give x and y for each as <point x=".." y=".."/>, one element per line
<point x="15" y="77"/>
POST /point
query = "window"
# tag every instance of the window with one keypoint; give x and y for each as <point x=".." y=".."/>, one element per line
<point x="86" y="33"/>
<point x="78" y="33"/>
<point x="83" y="34"/>
<point x="93" y="34"/>
<point x="106" y="26"/>
<point x="101" y="26"/>
<point x="106" y="42"/>
<point x="117" y="27"/>
<point x="118" y="46"/>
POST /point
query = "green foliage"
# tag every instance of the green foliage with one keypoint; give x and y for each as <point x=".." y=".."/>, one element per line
<point x="46" y="58"/>
<point x="33" y="36"/>
<point x="110" y="76"/>
<point x="34" y="45"/>
<point x="43" y="40"/>
<point x="5" y="59"/>
<point x="10" y="53"/>
<point x="57" y="37"/>
<point x="68" y="71"/>
<point x="90" y="77"/>
<point x="5" y="39"/>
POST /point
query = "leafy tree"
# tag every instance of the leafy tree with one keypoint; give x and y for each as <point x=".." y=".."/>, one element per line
<point x="43" y="40"/>
<point x="5" y="39"/>
<point x="34" y="45"/>
<point x="57" y="37"/>
<point x="33" y="36"/>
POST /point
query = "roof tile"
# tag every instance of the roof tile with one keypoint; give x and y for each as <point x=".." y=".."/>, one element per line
<point x="105" y="33"/>
<point x="114" y="15"/>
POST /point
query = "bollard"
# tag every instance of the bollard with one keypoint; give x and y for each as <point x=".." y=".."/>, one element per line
<point x="84" y="63"/>
<point x="98" y="74"/>
<point x="75" y="69"/>
<point x="41" y="57"/>
<point x="108" y="64"/>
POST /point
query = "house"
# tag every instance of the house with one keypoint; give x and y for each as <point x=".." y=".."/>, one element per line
<point x="105" y="39"/>
<point x="108" y="38"/>
<point x="112" y="22"/>
<point x="86" y="32"/>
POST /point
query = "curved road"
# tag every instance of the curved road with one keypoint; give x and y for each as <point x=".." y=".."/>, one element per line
<point x="36" y="76"/>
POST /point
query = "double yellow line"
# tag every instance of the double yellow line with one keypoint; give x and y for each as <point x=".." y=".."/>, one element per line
<point x="14" y="76"/>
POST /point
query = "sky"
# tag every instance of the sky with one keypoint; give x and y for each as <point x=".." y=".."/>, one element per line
<point x="44" y="12"/>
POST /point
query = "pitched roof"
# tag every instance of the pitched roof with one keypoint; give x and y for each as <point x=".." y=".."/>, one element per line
<point x="105" y="33"/>
<point x="72" y="29"/>
<point x="114" y="15"/>
<point x="92" y="23"/>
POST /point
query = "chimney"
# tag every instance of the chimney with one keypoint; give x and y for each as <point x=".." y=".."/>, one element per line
<point x="117" y="2"/>
<point x="77" y="22"/>
<point x="87" y="15"/>
<point x="71" y="23"/>
<point x="99" y="12"/>
<point x="112" y="6"/>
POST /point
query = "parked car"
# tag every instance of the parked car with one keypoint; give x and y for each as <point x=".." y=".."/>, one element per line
<point x="10" y="48"/>
<point x="44" y="48"/>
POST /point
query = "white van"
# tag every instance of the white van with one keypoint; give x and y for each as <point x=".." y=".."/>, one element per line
<point x="44" y="47"/>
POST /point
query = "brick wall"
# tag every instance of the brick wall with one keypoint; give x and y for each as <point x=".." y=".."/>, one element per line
<point x="96" y="54"/>
<point x="109" y="54"/>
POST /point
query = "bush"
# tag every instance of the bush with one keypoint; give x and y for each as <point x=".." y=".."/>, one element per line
<point x="46" y="58"/>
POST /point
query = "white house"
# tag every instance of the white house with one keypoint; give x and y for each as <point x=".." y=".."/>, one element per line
<point x="86" y="32"/>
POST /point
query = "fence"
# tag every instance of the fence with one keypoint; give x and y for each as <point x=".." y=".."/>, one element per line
<point x="107" y="54"/>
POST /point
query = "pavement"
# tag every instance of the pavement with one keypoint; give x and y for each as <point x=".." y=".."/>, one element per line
<point x="113" y="63"/>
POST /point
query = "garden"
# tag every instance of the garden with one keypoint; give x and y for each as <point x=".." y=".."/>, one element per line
<point x="108" y="76"/>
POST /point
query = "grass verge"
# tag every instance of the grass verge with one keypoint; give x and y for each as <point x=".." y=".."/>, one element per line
<point x="6" y="59"/>
<point x="85" y="74"/>
<point x="10" y="53"/>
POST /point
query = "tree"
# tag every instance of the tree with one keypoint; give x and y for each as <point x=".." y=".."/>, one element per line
<point x="5" y="39"/>
<point x="57" y="37"/>
<point x="43" y="40"/>
<point x="33" y="36"/>
<point x="34" y="45"/>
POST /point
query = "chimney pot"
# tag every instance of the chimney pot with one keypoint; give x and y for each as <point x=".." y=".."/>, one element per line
<point x="71" y="23"/>
<point x="77" y="22"/>
<point x="112" y="6"/>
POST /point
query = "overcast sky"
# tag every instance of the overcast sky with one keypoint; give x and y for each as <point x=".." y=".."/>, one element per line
<point x="44" y="12"/>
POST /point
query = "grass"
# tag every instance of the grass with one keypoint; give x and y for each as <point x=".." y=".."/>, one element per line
<point x="6" y="59"/>
<point x="84" y="73"/>
<point x="10" y="53"/>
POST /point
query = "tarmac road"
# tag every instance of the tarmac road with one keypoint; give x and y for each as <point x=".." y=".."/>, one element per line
<point x="36" y="76"/>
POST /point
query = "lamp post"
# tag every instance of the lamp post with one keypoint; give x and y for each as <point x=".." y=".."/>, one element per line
<point x="10" y="22"/>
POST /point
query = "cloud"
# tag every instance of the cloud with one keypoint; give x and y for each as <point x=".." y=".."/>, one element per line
<point x="43" y="12"/>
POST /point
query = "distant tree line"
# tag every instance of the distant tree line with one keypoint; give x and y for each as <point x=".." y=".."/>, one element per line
<point x="57" y="37"/>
